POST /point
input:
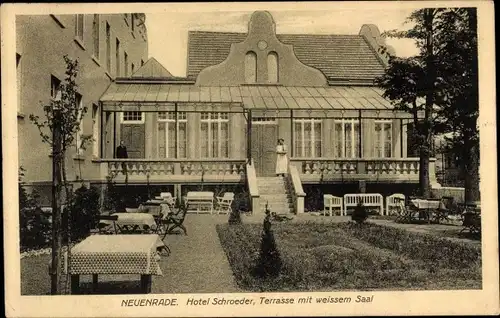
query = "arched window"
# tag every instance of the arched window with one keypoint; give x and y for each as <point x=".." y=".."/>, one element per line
<point x="272" y="67"/>
<point x="250" y="67"/>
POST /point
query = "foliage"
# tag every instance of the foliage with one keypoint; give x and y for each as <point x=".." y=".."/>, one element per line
<point x="269" y="263"/>
<point x="34" y="225"/>
<point x="441" y="82"/>
<point x="321" y="256"/>
<point x="83" y="212"/>
<point x="360" y="213"/>
<point x="234" y="217"/>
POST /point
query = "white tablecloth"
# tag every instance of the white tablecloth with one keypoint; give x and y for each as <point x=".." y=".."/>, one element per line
<point x="126" y="219"/>
<point x="117" y="254"/>
<point x="426" y="204"/>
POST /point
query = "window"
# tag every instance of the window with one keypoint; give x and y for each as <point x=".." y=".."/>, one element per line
<point x="117" y="57"/>
<point x="125" y="58"/>
<point x="79" y="19"/>
<point x="108" y="47"/>
<point x="383" y="138"/>
<point x="132" y="118"/>
<point x="250" y="67"/>
<point x="133" y="68"/>
<point x="132" y="22"/>
<point x="55" y="89"/>
<point x="142" y="62"/>
<point x="79" y="133"/>
<point x="95" y="35"/>
<point x="19" y="81"/>
<point x="214" y="135"/>
<point x="272" y="67"/>
<point x="307" y="137"/>
<point x="125" y="17"/>
<point x="264" y="120"/>
<point x="95" y="130"/>
<point x="347" y="138"/>
<point x="166" y="134"/>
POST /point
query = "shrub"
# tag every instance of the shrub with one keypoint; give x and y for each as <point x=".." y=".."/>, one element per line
<point x="35" y="229"/>
<point x="269" y="264"/>
<point x="360" y="213"/>
<point x="84" y="211"/>
<point x="234" y="217"/>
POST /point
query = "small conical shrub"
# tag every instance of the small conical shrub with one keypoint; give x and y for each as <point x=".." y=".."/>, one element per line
<point x="234" y="217"/>
<point x="269" y="263"/>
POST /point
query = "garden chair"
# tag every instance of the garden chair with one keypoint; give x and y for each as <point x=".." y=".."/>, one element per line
<point x="471" y="219"/>
<point x="393" y="202"/>
<point x="167" y="196"/>
<point x="224" y="203"/>
<point x="105" y="228"/>
<point x="174" y="220"/>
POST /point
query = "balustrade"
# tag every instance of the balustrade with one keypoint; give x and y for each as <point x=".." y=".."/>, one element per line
<point x="375" y="167"/>
<point x="166" y="167"/>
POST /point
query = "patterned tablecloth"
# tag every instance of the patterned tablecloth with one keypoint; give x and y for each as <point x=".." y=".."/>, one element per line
<point x="117" y="254"/>
<point x="426" y="204"/>
<point x="127" y="219"/>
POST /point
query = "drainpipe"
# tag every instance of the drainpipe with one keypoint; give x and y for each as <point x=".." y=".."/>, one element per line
<point x="249" y="136"/>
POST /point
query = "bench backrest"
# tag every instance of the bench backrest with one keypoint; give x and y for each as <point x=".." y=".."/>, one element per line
<point x="108" y="217"/>
<point x="192" y="195"/>
<point x="329" y="199"/>
<point x="366" y="198"/>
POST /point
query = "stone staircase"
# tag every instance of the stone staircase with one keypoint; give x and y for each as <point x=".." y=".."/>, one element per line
<point x="273" y="190"/>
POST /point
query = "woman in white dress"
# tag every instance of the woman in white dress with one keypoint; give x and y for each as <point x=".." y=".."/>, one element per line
<point x="282" y="159"/>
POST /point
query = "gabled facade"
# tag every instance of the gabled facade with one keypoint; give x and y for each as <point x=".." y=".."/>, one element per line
<point x="242" y="92"/>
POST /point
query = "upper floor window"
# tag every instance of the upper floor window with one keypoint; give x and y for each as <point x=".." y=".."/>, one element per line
<point x="95" y="130"/>
<point x="55" y="88"/>
<point x="117" y="57"/>
<point x="95" y="35"/>
<point x="272" y="67"/>
<point x="214" y="135"/>
<point x="307" y="137"/>
<point x="79" y="134"/>
<point x="132" y="117"/>
<point x="79" y="25"/>
<point x="125" y="59"/>
<point x="250" y="67"/>
<point x="347" y="138"/>
<point x="142" y="62"/>
<point x="108" y="47"/>
<point x="383" y="139"/>
<point x="133" y="68"/>
<point x="132" y="22"/>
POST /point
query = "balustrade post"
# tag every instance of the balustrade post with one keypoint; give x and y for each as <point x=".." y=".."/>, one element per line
<point x="361" y="167"/>
<point x="177" y="168"/>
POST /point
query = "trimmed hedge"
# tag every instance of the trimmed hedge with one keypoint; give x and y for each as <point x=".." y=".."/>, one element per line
<point x="324" y="256"/>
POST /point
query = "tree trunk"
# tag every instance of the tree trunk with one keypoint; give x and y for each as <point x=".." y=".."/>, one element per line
<point x="56" y="209"/>
<point x="425" y="148"/>
<point x="471" y="180"/>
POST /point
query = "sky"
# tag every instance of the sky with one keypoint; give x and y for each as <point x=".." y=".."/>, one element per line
<point x="168" y="31"/>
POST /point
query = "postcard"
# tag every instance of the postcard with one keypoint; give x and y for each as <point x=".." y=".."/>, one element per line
<point x="249" y="159"/>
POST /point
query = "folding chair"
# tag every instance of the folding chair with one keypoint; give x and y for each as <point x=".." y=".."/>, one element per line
<point x="224" y="203"/>
<point x="174" y="220"/>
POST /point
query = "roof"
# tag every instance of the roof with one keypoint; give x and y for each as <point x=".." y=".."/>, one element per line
<point x="152" y="68"/>
<point x="251" y="96"/>
<point x="339" y="57"/>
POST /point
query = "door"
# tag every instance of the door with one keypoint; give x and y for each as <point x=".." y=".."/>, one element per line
<point x="264" y="140"/>
<point x="134" y="137"/>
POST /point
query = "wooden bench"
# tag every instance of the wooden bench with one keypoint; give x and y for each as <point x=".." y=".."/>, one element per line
<point x="198" y="201"/>
<point x="330" y="202"/>
<point x="368" y="199"/>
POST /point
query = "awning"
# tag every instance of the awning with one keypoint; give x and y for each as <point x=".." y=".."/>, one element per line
<point x="262" y="97"/>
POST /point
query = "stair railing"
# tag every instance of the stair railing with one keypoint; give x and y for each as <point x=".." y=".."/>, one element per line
<point x="295" y="186"/>
<point x="253" y="188"/>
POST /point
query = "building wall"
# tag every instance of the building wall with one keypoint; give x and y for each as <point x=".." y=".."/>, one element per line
<point x="42" y="41"/>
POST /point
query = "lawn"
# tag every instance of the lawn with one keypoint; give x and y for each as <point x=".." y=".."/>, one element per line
<point x="347" y="256"/>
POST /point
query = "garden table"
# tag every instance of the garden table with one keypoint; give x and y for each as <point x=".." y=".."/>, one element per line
<point x="427" y="206"/>
<point x="133" y="221"/>
<point x="116" y="254"/>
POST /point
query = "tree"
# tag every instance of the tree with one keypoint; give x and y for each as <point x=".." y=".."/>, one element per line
<point x="433" y="83"/>
<point x="59" y="129"/>
<point x="459" y="113"/>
